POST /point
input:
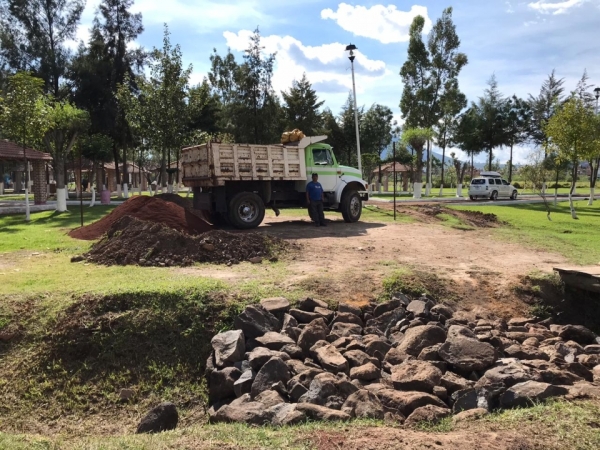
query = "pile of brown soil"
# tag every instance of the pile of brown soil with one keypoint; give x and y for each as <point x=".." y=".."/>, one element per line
<point x="146" y="243"/>
<point x="152" y="209"/>
<point x="175" y="198"/>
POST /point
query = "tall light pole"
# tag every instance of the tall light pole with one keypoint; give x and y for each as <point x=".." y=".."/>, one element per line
<point x="350" y="48"/>
<point x="597" y="92"/>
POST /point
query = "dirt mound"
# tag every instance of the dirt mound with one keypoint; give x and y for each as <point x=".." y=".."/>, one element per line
<point x="175" y="198"/>
<point x="133" y="241"/>
<point x="152" y="209"/>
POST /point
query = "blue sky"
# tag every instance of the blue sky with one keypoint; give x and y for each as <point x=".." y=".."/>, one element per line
<point x="519" y="42"/>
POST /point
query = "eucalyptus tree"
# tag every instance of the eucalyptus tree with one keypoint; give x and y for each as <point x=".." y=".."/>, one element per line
<point x="430" y="75"/>
<point x="416" y="139"/>
<point x="517" y="119"/>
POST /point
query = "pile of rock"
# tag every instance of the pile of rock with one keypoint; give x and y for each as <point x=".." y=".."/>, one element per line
<point x="401" y="360"/>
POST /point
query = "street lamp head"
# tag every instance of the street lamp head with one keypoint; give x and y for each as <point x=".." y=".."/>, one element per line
<point x="597" y="91"/>
<point x="350" y="48"/>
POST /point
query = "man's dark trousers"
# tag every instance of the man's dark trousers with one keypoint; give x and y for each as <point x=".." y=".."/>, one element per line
<point x="316" y="212"/>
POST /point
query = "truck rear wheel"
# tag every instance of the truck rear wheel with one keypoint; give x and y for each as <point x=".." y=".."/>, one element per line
<point x="351" y="207"/>
<point x="246" y="210"/>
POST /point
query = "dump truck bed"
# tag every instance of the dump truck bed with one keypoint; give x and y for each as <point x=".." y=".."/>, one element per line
<point x="214" y="164"/>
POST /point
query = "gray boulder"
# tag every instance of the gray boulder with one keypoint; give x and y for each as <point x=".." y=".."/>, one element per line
<point x="310" y="304"/>
<point x="453" y="382"/>
<point x="366" y="372"/>
<point x="346" y="329"/>
<point x="344" y="317"/>
<point x="331" y="359"/>
<point x="315" y="331"/>
<point x="428" y="413"/>
<point x="530" y="392"/>
<point x="363" y="405"/>
<point x="510" y="371"/>
<point x="244" y="383"/>
<point x="347" y="308"/>
<point x="256" y="321"/>
<point x="285" y="414"/>
<point x="419" y="308"/>
<point x="277" y="306"/>
<point x="579" y="334"/>
<point x="321" y="413"/>
<point x="229" y="347"/>
<point x="260" y="355"/>
<point x="252" y="413"/>
<point x="273" y="371"/>
<point x="405" y="402"/>
<point x="304" y="316"/>
<point x="269" y="398"/>
<point x="418" y="338"/>
<point x="274" y="341"/>
<point x="386" y="307"/>
<point x="465" y="352"/>
<point x="163" y="417"/>
<point x="220" y="383"/>
<point x="416" y="375"/>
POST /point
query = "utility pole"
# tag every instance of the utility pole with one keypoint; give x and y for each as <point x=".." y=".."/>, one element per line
<point x="350" y="48"/>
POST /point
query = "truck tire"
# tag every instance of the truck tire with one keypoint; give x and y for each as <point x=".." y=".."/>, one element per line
<point x="246" y="210"/>
<point x="351" y="206"/>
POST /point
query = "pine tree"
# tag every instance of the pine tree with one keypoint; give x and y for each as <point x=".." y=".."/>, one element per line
<point x="302" y="107"/>
<point x="543" y="107"/>
<point x="106" y="63"/>
<point x="430" y="75"/>
<point x="33" y="37"/>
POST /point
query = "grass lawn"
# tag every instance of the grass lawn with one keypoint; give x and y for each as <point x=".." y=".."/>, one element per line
<point x="578" y="240"/>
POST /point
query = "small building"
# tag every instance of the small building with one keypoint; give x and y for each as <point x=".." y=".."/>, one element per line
<point x="403" y="175"/>
<point x="26" y="159"/>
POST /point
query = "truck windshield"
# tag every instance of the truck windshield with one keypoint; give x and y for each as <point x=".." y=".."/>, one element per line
<point x="322" y="157"/>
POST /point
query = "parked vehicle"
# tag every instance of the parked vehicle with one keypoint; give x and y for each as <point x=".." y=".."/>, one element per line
<point x="236" y="182"/>
<point x="492" y="186"/>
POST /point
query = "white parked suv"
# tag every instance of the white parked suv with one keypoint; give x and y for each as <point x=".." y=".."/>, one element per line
<point x="491" y="185"/>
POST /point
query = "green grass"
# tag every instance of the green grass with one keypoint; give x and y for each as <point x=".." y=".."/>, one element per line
<point x="577" y="240"/>
<point x="47" y="230"/>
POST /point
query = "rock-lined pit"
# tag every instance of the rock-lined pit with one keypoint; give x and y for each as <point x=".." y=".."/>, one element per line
<point x="405" y="361"/>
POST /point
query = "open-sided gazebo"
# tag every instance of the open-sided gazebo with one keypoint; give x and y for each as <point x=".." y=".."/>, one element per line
<point x="11" y="152"/>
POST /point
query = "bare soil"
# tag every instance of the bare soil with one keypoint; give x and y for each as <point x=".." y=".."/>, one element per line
<point x="349" y="261"/>
<point x="400" y="438"/>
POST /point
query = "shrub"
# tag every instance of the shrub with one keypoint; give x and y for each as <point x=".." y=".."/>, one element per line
<point x="517" y="185"/>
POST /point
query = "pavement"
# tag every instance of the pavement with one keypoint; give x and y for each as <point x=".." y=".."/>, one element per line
<point x="522" y="199"/>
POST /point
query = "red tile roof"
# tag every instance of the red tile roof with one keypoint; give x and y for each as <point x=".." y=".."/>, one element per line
<point x="9" y="151"/>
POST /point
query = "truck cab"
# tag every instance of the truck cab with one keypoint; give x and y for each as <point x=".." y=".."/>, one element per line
<point x="236" y="182"/>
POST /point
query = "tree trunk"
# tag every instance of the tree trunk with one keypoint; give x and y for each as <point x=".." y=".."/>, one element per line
<point x="419" y="174"/>
<point x="491" y="160"/>
<point x="442" y="178"/>
<point x="61" y="189"/>
<point x="510" y="164"/>
<point x="556" y="189"/>
<point x="593" y="176"/>
<point x="573" y="181"/>
<point x="428" y="170"/>
<point x="163" y="170"/>
<point x="472" y="166"/>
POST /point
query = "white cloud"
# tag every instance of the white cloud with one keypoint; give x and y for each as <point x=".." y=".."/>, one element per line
<point x="553" y="7"/>
<point x="326" y="66"/>
<point x="509" y="8"/>
<point x="386" y="24"/>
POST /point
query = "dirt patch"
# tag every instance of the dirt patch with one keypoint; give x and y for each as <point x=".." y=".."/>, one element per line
<point x="132" y="241"/>
<point x="153" y="209"/>
<point x="429" y="213"/>
<point x="397" y="438"/>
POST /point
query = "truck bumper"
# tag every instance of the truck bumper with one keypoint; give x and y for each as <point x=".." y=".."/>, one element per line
<point x="364" y="196"/>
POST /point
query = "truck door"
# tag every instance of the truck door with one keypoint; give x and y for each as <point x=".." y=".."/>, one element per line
<point x="325" y="166"/>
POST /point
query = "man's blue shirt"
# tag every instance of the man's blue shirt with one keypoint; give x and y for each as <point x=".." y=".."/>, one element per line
<point x="315" y="191"/>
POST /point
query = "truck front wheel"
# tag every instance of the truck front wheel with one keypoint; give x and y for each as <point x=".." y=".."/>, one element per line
<point x="351" y="207"/>
<point x="246" y="210"/>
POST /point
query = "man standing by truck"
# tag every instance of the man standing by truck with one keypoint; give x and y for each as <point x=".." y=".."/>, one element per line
<point x="314" y="198"/>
